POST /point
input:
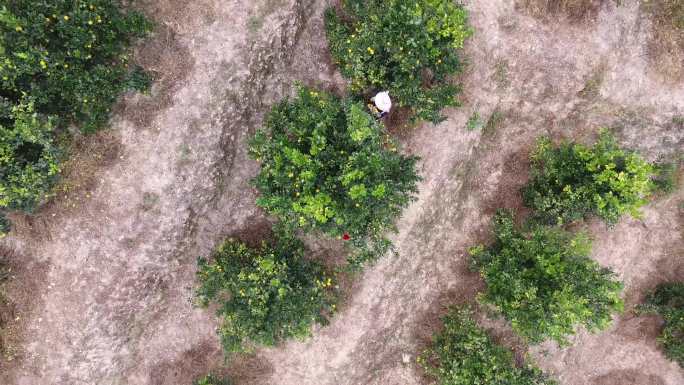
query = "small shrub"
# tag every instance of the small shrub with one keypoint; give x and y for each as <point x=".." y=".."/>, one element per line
<point x="544" y="283"/>
<point x="265" y="294"/>
<point x="668" y="301"/>
<point x="69" y="57"/>
<point x="211" y="380"/>
<point x="406" y="47"/>
<point x="327" y="166"/>
<point x="572" y="180"/>
<point x="463" y="354"/>
<point x="28" y="158"/>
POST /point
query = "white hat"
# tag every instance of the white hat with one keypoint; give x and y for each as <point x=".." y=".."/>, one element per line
<point x="382" y="101"/>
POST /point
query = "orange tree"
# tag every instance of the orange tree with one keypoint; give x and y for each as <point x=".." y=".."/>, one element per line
<point x="667" y="300"/>
<point x="327" y="166"/>
<point x="544" y="283"/>
<point x="62" y="62"/>
<point x="464" y="354"/>
<point x="408" y="47"/>
<point x="265" y="294"/>
<point x="68" y="56"/>
<point x="571" y="181"/>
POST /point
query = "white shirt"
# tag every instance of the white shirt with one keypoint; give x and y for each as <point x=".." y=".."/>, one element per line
<point x="382" y="101"/>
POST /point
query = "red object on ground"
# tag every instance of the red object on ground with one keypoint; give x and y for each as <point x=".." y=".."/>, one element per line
<point x="346" y="237"/>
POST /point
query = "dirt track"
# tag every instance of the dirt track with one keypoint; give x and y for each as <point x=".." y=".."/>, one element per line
<point x="113" y="276"/>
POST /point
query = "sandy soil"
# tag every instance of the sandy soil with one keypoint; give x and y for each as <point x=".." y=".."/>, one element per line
<point x="111" y="273"/>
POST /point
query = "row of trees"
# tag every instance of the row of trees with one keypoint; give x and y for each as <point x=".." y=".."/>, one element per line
<point x="540" y="278"/>
<point x="329" y="168"/>
<point x="62" y="63"/>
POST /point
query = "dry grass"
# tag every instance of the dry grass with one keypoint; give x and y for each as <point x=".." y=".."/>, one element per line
<point x="574" y="10"/>
<point x="86" y="155"/>
<point x="7" y="311"/>
<point x="667" y="46"/>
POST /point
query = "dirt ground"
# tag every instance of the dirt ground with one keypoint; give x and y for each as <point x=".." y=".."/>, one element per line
<point x="104" y="278"/>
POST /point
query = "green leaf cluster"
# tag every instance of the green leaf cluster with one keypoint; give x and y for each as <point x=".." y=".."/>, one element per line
<point x="211" y="380"/>
<point x="544" y="283"/>
<point x="69" y="56"/>
<point x="406" y="47"/>
<point x="5" y="225"/>
<point x="327" y="166"/>
<point x="265" y="294"/>
<point x="28" y="157"/>
<point x="668" y="301"/>
<point x="463" y="354"/>
<point x="62" y="62"/>
<point x="571" y="181"/>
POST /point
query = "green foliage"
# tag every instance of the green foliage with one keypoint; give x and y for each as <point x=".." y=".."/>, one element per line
<point x="668" y="301"/>
<point x="265" y="295"/>
<point x="28" y="157"/>
<point x="572" y="180"/>
<point x="327" y="166"/>
<point x="211" y="380"/>
<point x="406" y="47"/>
<point x="68" y="56"/>
<point x="544" y="283"/>
<point x="463" y="354"/>
<point x="5" y="225"/>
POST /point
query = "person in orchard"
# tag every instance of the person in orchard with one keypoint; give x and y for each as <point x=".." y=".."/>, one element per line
<point x="383" y="104"/>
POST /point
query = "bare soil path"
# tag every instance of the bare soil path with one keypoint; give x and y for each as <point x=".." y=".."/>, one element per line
<point x="114" y="303"/>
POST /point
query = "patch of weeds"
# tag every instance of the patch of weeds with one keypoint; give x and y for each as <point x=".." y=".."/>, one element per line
<point x="666" y="176"/>
<point x="678" y="121"/>
<point x="150" y="200"/>
<point x="507" y="23"/>
<point x="474" y="122"/>
<point x="184" y="152"/>
<point x="6" y="310"/>
<point x="493" y="123"/>
<point x="593" y="85"/>
<point x="254" y="23"/>
<point x="500" y="75"/>
<point x="211" y="380"/>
